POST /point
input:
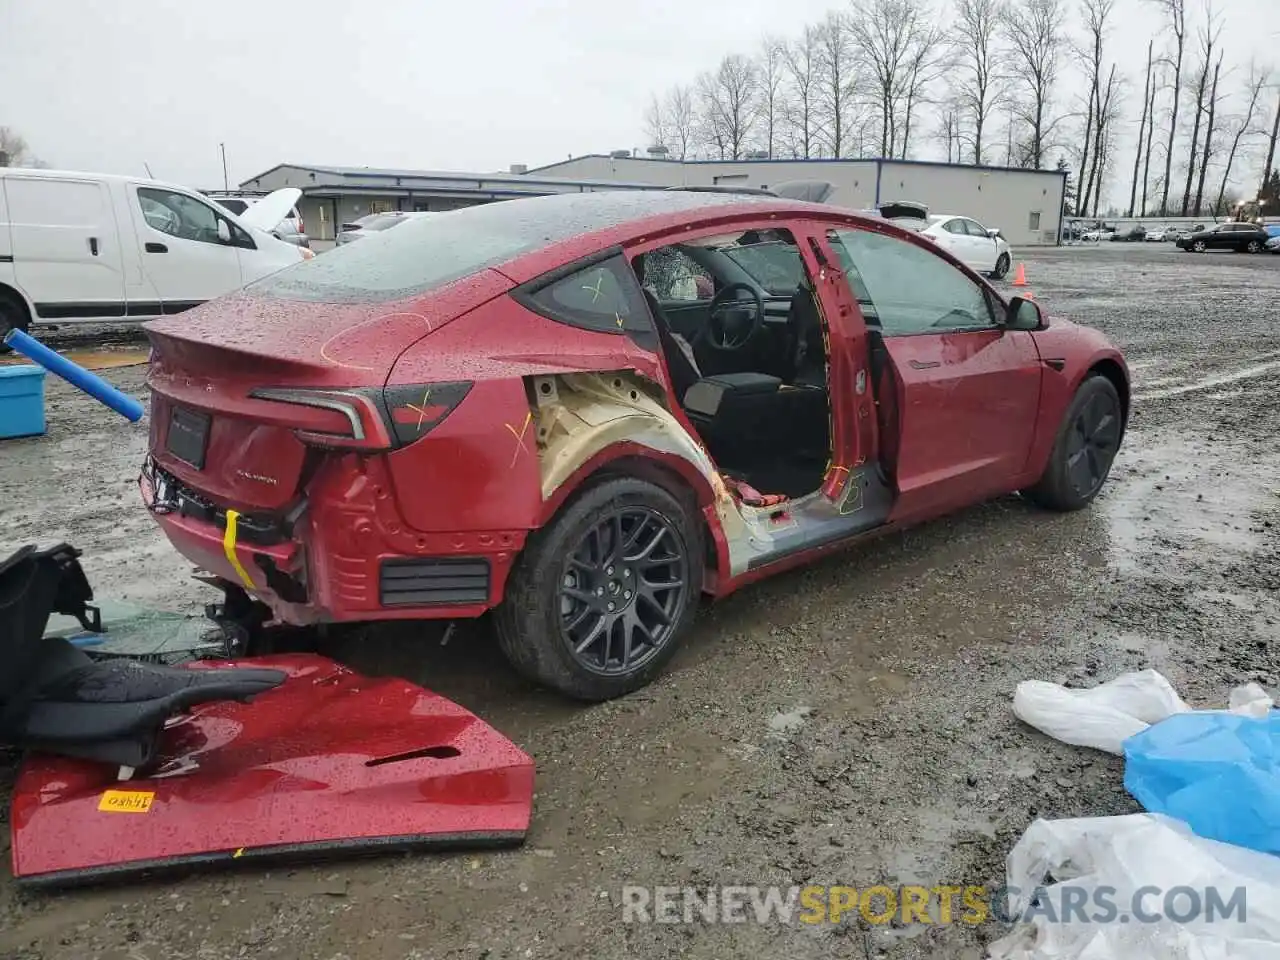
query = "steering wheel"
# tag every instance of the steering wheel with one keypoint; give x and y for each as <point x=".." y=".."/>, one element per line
<point x="732" y="323"/>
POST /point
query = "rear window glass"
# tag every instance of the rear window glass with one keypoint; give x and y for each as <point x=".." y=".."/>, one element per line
<point x="382" y="223"/>
<point x="232" y="204"/>
<point x="425" y="253"/>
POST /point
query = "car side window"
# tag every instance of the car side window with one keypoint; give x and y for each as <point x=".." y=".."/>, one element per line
<point x="976" y="229"/>
<point x="672" y="275"/>
<point x="956" y="227"/>
<point x="603" y="296"/>
<point x="186" y="217"/>
<point x="913" y="290"/>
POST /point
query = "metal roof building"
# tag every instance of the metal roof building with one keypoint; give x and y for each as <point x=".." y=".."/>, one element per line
<point x="1026" y="205"/>
<point x="332" y="196"/>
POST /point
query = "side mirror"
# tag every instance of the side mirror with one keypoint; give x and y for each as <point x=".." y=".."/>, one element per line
<point x="1023" y="315"/>
<point x="224" y="231"/>
<point x="993" y="232"/>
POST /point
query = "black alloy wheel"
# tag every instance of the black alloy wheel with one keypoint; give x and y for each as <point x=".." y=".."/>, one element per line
<point x="623" y="590"/>
<point x="601" y="596"/>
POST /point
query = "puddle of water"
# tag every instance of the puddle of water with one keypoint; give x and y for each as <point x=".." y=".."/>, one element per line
<point x="789" y="721"/>
<point x="1157" y="389"/>
<point x="1180" y="497"/>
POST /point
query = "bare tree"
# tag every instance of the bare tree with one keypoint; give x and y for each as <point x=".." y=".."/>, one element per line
<point x="1097" y="13"/>
<point x="656" y="128"/>
<point x="681" y="119"/>
<point x="730" y="104"/>
<point x="1176" y="11"/>
<point x="949" y="131"/>
<point x="836" y="86"/>
<point x="14" y="151"/>
<point x="1142" y="129"/>
<point x="804" y="70"/>
<point x="927" y="58"/>
<point x="1271" y="150"/>
<point x="1208" y="38"/>
<point x="1033" y="32"/>
<point x="1105" y="117"/>
<point x="1257" y="82"/>
<point x="1208" y="134"/>
<point x="1151" y="130"/>
<point x="981" y="81"/>
<point x="771" y="68"/>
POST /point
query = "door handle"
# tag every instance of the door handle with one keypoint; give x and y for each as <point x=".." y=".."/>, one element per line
<point x="93" y="245"/>
<point x="156" y="248"/>
<point x="923" y="365"/>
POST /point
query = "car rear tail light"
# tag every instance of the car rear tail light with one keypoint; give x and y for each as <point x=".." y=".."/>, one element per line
<point x="367" y="418"/>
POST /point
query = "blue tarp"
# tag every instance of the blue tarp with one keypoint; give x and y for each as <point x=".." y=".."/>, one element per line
<point x="1218" y="772"/>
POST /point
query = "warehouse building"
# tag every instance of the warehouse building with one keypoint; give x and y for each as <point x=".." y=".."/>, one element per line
<point x="332" y="196"/>
<point x="1026" y="205"/>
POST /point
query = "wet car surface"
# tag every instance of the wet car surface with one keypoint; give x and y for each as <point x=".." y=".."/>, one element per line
<point x="848" y="723"/>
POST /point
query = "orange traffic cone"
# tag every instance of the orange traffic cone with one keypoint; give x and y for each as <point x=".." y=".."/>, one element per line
<point x="1020" y="276"/>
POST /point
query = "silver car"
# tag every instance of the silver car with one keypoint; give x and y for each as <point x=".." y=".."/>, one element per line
<point x="374" y="222"/>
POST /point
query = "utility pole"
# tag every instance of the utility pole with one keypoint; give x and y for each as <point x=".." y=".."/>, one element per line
<point x="225" y="183"/>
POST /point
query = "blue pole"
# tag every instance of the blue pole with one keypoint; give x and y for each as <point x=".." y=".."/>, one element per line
<point x="76" y="375"/>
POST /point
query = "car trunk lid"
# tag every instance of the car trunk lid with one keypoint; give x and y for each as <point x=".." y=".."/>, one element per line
<point x="248" y="391"/>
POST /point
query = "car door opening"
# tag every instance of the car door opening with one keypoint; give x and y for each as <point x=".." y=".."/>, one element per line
<point x="742" y="333"/>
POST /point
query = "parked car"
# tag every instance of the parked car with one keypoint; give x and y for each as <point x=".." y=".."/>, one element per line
<point x="523" y="407"/>
<point x="291" y="229"/>
<point x="1273" y="245"/>
<point x="1133" y="235"/>
<point x="88" y="247"/>
<point x="1241" y="237"/>
<point x="979" y="247"/>
<point x="1098" y="234"/>
<point x="1160" y="234"/>
<point x="374" y="223"/>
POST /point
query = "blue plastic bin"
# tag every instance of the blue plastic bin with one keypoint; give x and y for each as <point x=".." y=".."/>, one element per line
<point x="21" y="401"/>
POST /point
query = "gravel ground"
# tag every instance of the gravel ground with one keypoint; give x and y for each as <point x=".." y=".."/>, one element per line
<point x="845" y="724"/>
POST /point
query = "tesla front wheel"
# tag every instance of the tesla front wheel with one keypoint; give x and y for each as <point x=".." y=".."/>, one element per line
<point x="1002" y="267"/>
<point x="1084" y="450"/>
<point x="601" y="596"/>
<point x="1198" y="246"/>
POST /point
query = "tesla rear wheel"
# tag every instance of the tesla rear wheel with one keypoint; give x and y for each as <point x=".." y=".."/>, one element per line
<point x="602" y="596"/>
<point x="13" y="315"/>
<point x="1002" y="267"/>
<point x="1254" y="246"/>
<point x="1087" y="443"/>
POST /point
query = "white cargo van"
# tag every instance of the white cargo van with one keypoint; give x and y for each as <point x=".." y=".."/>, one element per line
<point x="90" y="247"/>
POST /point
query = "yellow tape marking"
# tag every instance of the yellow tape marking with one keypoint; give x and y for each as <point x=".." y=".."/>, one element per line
<point x="126" y="801"/>
<point x="229" y="548"/>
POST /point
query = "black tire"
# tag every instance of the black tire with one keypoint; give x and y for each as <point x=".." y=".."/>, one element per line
<point x="1254" y="247"/>
<point x="1199" y="246"/>
<point x="1084" y="450"/>
<point x="1002" y="267"/>
<point x="553" y="588"/>
<point x="13" y="314"/>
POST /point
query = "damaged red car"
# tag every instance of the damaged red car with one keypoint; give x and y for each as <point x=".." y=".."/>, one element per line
<point x="585" y="413"/>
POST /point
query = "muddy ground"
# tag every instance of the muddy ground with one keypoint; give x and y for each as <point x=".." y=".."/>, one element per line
<point x="845" y="724"/>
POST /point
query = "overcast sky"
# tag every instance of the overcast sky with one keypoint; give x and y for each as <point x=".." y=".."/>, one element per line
<point x="433" y="84"/>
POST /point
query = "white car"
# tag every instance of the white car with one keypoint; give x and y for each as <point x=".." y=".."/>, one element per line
<point x="92" y="247"/>
<point x="1098" y="236"/>
<point x="1161" y="234"/>
<point x="980" y="248"/>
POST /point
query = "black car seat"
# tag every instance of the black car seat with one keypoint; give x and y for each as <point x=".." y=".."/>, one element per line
<point x="809" y="360"/>
<point x="56" y="698"/>
<point x="684" y="374"/>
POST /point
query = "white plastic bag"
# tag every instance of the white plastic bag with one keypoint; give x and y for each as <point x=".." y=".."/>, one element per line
<point x="1138" y="860"/>
<point x="1102" y="717"/>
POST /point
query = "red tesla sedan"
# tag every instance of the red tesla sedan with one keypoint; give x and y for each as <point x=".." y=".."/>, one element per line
<point x="585" y="412"/>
